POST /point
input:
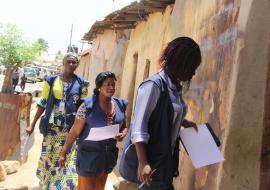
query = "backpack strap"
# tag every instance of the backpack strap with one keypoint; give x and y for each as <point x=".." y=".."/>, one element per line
<point x="90" y="103"/>
<point x="80" y="79"/>
<point x="50" y="79"/>
<point x="81" y="82"/>
<point x="121" y="103"/>
<point x="49" y="107"/>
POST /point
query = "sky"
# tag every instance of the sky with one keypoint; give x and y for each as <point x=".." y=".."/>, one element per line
<point x="52" y="19"/>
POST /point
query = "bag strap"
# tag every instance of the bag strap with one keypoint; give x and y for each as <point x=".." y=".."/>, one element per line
<point x="121" y="104"/>
<point x="91" y="105"/>
<point x="70" y="88"/>
<point x="81" y="82"/>
<point x="50" y="99"/>
<point x="75" y="79"/>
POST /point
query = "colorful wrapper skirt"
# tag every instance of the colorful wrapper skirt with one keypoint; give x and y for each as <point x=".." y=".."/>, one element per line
<point x="51" y="176"/>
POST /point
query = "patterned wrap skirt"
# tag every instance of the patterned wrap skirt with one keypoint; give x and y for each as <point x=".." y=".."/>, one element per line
<point x="51" y="175"/>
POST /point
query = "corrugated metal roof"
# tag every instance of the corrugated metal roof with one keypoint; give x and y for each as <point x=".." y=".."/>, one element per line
<point x="127" y="17"/>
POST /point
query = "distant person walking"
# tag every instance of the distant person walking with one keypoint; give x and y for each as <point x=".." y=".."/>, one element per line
<point x="23" y="82"/>
<point x="61" y="97"/>
<point x="15" y="77"/>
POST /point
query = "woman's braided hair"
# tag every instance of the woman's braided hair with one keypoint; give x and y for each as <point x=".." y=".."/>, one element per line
<point x="182" y="56"/>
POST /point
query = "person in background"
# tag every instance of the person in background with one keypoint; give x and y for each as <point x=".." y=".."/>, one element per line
<point x="23" y="82"/>
<point x="151" y="151"/>
<point x="65" y="92"/>
<point x="96" y="159"/>
<point x="15" y="77"/>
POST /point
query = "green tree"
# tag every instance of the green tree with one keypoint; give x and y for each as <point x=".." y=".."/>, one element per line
<point x="43" y="45"/>
<point x="14" y="51"/>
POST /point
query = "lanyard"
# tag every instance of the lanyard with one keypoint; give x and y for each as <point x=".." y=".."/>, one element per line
<point x="66" y="91"/>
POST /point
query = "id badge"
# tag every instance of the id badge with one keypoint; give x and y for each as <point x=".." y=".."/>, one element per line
<point x="62" y="106"/>
<point x="58" y="122"/>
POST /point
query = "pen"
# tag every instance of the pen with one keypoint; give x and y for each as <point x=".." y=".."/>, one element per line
<point x="142" y="184"/>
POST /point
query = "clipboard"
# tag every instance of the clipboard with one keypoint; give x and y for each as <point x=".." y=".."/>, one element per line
<point x="216" y="139"/>
<point x="201" y="146"/>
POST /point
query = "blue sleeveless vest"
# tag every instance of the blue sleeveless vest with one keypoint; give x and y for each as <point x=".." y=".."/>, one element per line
<point x="95" y="157"/>
<point x="158" y="149"/>
<point x="73" y="100"/>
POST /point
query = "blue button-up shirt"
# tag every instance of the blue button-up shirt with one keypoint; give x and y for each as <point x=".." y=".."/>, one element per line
<point x="147" y="97"/>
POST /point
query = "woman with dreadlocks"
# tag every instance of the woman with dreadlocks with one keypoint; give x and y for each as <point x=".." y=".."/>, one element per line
<point x="151" y="151"/>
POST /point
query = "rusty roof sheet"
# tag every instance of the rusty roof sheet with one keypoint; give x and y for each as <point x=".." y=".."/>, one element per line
<point x="127" y="17"/>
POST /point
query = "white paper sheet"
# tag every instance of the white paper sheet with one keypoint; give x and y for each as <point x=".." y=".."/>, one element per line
<point x="102" y="133"/>
<point x="200" y="146"/>
<point x="28" y="143"/>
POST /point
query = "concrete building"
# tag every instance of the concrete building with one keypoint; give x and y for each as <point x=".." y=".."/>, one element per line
<point x="231" y="89"/>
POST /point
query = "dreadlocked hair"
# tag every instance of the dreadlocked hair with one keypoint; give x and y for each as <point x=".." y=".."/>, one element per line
<point x="181" y="56"/>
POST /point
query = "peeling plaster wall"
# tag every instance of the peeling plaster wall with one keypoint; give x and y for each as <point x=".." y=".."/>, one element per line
<point x="107" y="54"/>
<point x="213" y="25"/>
<point x="146" y="43"/>
<point x="100" y="51"/>
<point x="244" y="137"/>
<point x="229" y="90"/>
<point x="229" y="87"/>
<point x="83" y="68"/>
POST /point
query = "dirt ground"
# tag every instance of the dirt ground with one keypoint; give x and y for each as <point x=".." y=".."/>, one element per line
<point x="25" y="178"/>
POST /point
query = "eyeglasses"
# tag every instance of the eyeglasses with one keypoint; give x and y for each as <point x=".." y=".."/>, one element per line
<point x="72" y="62"/>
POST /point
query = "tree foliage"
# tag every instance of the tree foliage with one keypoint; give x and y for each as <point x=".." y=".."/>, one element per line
<point x="14" y="49"/>
<point x="43" y="45"/>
